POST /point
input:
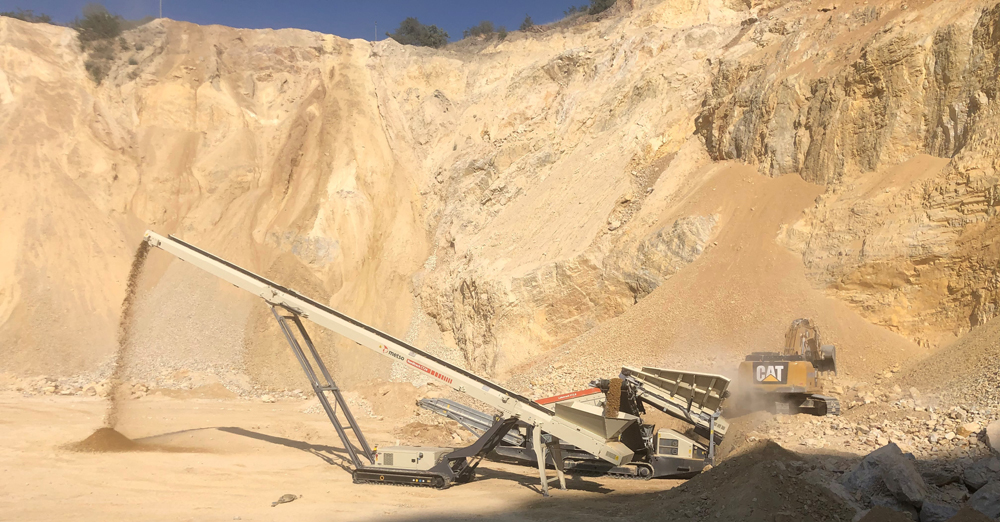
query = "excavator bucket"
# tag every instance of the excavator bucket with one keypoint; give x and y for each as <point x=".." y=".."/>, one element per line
<point x="827" y="361"/>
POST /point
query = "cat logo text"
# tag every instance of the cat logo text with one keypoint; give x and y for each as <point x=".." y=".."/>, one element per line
<point x="770" y="372"/>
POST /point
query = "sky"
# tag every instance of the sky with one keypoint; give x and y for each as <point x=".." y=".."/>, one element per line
<point x="348" y="19"/>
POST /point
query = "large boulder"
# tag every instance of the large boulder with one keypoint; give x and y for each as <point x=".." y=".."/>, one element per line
<point x="981" y="472"/>
<point x="987" y="499"/>
<point x="886" y="470"/>
<point x="932" y="512"/>
<point x="993" y="436"/>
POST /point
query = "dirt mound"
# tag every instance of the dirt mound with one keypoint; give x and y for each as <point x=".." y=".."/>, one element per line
<point x="110" y="440"/>
<point x="756" y="485"/>
<point x="105" y="440"/>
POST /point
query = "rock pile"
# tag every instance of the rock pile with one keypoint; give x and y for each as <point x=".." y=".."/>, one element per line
<point x="887" y="478"/>
<point x="933" y="490"/>
<point x="929" y="434"/>
<point x="65" y="386"/>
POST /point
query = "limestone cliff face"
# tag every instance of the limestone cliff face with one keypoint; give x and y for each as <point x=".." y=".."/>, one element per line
<point x="254" y="144"/>
<point x="542" y="154"/>
<point x="493" y="201"/>
<point x="844" y="96"/>
<point x="499" y="192"/>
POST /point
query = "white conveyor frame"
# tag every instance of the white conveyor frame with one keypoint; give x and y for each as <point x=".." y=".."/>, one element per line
<point x="464" y="381"/>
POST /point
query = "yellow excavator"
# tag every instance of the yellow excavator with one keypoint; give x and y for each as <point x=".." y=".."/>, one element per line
<point x="789" y="381"/>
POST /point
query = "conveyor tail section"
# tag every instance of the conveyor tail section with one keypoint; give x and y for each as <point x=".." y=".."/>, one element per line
<point x="690" y="396"/>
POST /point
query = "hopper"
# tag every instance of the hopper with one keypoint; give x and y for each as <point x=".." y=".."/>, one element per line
<point x="592" y="419"/>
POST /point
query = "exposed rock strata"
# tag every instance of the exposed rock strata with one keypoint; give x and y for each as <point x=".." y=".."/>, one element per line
<point x="517" y="194"/>
<point x="841" y="103"/>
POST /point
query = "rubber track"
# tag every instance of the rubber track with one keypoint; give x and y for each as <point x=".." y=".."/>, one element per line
<point x="397" y="484"/>
<point x="616" y="476"/>
<point x="627" y="477"/>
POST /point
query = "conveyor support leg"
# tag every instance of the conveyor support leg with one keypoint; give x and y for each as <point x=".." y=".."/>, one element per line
<point x="557" y="458"/>
<point x="536" y="442"/>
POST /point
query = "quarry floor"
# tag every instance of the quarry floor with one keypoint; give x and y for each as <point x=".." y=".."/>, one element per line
<point x="229" y="459"/>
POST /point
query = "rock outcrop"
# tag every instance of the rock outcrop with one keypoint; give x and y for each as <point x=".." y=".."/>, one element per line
<point x="841" y="97"/>
<point x="497" y="187"/>
<point x="495" y="202"/>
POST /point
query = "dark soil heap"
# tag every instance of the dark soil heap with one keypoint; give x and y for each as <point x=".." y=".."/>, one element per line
<point x="762" y="483"/>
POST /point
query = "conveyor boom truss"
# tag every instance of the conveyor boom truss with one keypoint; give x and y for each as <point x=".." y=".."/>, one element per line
<point x="508" y="402"/>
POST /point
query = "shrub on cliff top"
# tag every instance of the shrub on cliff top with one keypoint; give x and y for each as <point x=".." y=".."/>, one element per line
<point x="598" y="6"/>
<point x="97" y="24"/>
<point x="28" y="15"/>
<point x="485" y="28"/>
<point x="412" y="32"/>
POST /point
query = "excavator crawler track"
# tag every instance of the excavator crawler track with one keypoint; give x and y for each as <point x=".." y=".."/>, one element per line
<point x="832" y="404"/>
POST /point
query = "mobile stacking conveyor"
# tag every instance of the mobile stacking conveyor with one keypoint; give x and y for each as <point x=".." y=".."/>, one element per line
<point x="441" y="467"/>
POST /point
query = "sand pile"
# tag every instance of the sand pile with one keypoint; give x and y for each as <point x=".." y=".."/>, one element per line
<point x="762" y="483"/>
<point x="110" y="440"/>
<point x="105" y="440"/>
